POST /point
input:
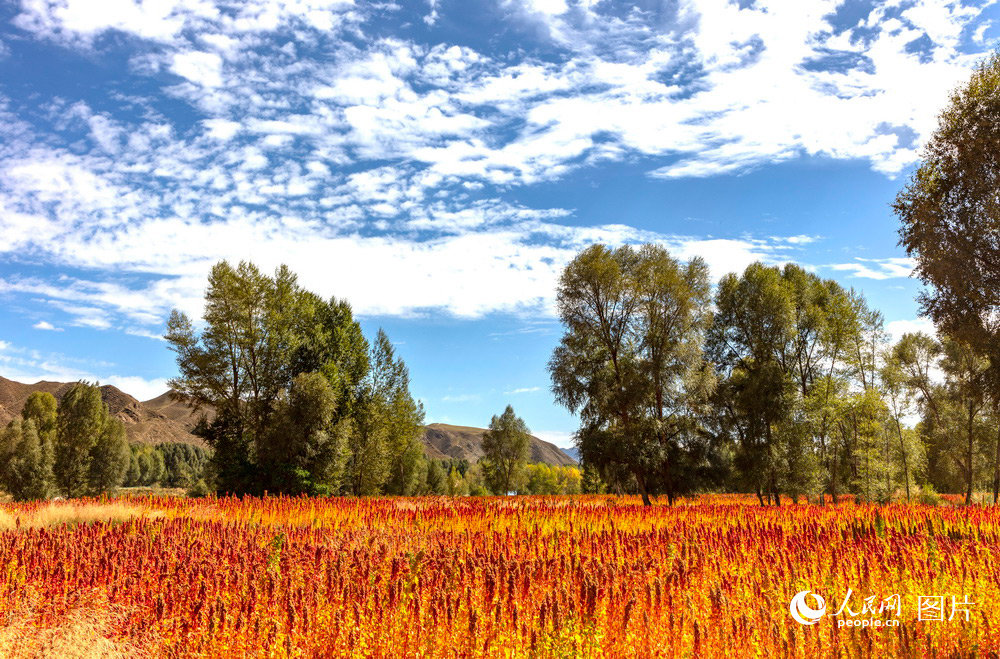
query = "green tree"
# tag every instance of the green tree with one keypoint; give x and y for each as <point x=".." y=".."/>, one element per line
<point x="753" y="327"/>
<point x="41" y="407"/>
<point x="629" y="360"/>
<point x="305" y="450"/>
<point x="26" y="471"/>
<point x="82" y="418"/>
<point x="260" y="333"/>
<point x="949" y="213"/>
<point x="384" y="446"/>
<point x="436" y="479"/>
<point x="91" y="454"/>
<point x="109" y="457"/>
<point x="241" y="361"/>
<point x="506" y="448"/>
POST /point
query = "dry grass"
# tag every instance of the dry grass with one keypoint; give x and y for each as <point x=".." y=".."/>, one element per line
<point x="57" y="514"/>
<point x="85" y="632"/>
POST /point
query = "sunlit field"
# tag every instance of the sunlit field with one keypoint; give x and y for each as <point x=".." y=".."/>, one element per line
<point x="500" y="577"/>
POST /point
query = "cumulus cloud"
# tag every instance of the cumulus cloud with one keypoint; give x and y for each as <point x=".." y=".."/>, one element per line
<point x="46" y="325"/>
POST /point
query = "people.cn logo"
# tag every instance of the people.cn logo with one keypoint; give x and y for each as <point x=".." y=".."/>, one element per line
<point x="802" y="612"/>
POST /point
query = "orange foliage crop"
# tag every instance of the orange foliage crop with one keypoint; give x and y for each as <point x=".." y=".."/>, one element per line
<point x="500" y="577"/>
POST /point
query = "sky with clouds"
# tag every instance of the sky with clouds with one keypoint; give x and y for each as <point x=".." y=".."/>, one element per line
<point x="437" y="162"/>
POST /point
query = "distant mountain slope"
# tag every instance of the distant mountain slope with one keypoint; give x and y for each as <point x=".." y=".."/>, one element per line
<point x="573" y="452"/>
<point x="462" y="442"/>
<point x="153" y="422"/>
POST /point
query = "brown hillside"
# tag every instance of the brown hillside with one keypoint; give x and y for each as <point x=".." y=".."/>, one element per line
<point x="463" y="442"/>
<point x="144" y="424"/>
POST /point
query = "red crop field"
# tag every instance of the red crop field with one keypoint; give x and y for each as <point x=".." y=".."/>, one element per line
<point x="500" y="577"/>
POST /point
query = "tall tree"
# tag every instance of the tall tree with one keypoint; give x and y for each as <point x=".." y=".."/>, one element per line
<point x="109" y="458"/>
<point x="950" y="219"/>
<point x="91" y="454"/>
<point x="81" y="420"/>
<point x="261" y="332"/>
<point x="754" y="325"/>
<point x="634" y="325"/>
<point x="384" y="447"/>
<point x="506" y="448"/>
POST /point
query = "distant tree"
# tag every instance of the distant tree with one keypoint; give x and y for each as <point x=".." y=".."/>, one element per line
<point x="146" y="466"/>
<point x="25" y="466"/>
<point x="474" y="482"/>
<point x="184" y="464"/>
<point x="506" y="448"/>
<point x="454" y="485"/>
<point x="436" y="479"/>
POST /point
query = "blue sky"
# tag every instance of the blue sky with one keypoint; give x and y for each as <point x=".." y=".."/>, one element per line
<point x="437" y="162"/>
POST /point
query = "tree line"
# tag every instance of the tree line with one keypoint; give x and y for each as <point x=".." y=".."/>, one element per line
<point x="177" y="465"/>
<point x="781" y="382"/>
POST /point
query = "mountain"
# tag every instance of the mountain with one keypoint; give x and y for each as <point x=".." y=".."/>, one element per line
<point x="166" y="420"/>
<point x="573" y="452"/>
<point x="443" y="441"/>
<point x="157" y="421"/>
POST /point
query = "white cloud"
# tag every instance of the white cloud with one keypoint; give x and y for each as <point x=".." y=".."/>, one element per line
<point x="138" y="387"/>
<point x="559" y="438"/>
<point x="897" y="328"/>
<point x="889" y="268"/>
<point x="201" y="68"/>
<point x="522" y="390"/>
<point x="46" y="325"/>
<point x="460" y="398"/>
<point x="222" y="129"/>
<point x="339" y="155"/>
<point x="29" y="367"/>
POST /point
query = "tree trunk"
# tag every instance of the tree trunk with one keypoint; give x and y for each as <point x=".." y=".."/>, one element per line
<point x="906" y="465"/>
<point x="996" y="470"/>
<point x="642" y="489"/>
<point x="969" y="470"/>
